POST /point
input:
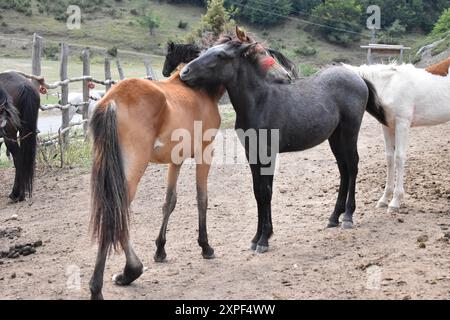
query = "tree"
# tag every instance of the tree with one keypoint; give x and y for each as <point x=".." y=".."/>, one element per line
<point x="216" y="18"/>
<point x="442" y="27"/>
<point x="392" y="34"/>
<point x="149" y="21"/>
<point x="343" y="18"/>
<point x="265" y="12"/>
<point x="216" y="21"/>
<point x="304" y="6"/>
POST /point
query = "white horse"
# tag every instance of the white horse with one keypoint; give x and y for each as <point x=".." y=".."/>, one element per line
<point x="77" y="98"/>
<point x="411" y="97"/>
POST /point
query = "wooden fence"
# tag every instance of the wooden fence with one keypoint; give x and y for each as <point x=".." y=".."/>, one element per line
<point x="39" y="82"/>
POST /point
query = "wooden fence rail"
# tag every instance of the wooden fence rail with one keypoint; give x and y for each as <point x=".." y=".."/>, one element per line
<point x="63" y="84"/>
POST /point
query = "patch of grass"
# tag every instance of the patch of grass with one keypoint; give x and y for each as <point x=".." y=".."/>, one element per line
<point x="228" y="116"/>
<point x="307" y="70"/>
<point x="4" y="161"/>
<point x="76" y="155"/>
<point x="441" y="47"/>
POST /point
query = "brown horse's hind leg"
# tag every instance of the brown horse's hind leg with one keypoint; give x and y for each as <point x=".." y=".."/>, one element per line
<point x="169" y="206"/>
<point x="202" y="202"/>
<point x="136" y="161"/>
<point x="133" y="267"/>
<point x="96" y="283"/>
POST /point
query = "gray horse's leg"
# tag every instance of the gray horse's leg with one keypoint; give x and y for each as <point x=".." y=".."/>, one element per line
<point x="352" y="161"/>
<point x="337" y="148"/>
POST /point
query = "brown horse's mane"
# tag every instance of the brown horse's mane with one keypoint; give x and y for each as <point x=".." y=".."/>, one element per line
<point x="440" y="68"/>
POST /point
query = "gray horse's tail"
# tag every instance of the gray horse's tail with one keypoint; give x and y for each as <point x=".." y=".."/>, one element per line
<point x="374" y="105"/>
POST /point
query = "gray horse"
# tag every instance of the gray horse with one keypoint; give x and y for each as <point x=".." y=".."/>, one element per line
<point x="329" y="106"/>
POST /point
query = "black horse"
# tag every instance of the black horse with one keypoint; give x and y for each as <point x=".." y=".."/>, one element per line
<point x="19" y="109"/>
<point x="185" y="53"/>
<point x="302" y="115"/>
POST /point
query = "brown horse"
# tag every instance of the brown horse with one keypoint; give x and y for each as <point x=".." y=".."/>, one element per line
<point x="137" y="122"/>
<point x="440" y="68"/>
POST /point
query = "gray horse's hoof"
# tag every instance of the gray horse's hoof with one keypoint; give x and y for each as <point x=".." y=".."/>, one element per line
<point x="332" y="224"/>
<point x="160" y="257"/>
<point x="347" y="225"/>
<point x="208" y="254"/>
<point x="261" y="249"/>
<point x="253" y="246"/>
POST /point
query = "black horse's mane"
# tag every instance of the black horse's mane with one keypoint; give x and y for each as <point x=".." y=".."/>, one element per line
<point x="187" y="51"/>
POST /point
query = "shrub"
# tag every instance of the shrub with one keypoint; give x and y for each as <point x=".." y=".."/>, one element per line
<point x="182" y="25"/>
<point x="113" y="52"/>
<point x="306" y="51"/>
<point x="51" y="52"/>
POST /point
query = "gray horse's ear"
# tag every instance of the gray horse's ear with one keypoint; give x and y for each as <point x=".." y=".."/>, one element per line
<point x="240" y="34"/>
<point x="170" y="45"/>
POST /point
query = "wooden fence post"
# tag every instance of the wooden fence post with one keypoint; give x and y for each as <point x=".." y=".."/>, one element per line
<point x="64" y="91"/>
<point x="86" y="95"/>
<point x="36" y="58"/>
<point x="107" y="73"/>
<point x="148" y="67"/>
<point x="120" y="69"/>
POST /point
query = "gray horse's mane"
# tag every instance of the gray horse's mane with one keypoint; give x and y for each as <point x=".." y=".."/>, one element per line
<point x="284" y="61"/>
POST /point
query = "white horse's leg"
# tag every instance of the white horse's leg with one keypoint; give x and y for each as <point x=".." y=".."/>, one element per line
<point x="389" y="141"/>
<point x="402" y="127"/>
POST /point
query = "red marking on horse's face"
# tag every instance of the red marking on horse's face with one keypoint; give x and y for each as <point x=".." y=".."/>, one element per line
<point x="267" y="63"/>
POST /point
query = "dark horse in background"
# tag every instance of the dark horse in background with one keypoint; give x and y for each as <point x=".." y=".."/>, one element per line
<point x="19" y="110"/>
<point x="305" y="113"/>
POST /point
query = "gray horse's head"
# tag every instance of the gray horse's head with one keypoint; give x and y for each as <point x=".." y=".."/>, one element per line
<point x="219" y="64"/>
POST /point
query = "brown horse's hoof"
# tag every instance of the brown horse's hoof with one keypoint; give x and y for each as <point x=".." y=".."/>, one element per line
<point x="128" y="277"/>
<point x="97" y="296"/>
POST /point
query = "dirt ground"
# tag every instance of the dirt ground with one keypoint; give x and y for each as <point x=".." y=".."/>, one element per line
<point x="380" y="259"/>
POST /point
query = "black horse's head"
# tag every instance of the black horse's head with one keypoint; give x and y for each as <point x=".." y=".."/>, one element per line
<point x="177" y="54"/>
<point x="220" y="64"/>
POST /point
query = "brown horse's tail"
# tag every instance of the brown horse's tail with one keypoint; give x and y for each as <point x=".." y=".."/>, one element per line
<point x="28" y="103"/>
<point x="109" y="192"/>
<point x="374" y="105"/>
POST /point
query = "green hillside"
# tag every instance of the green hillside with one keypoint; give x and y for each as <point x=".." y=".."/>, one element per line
<point x="115" y="23"/>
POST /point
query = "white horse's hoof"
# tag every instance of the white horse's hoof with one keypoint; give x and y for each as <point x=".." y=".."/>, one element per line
<point x="382" y="204"/>
<point x="392" y="209"/>
<point x="114" y="278"/>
